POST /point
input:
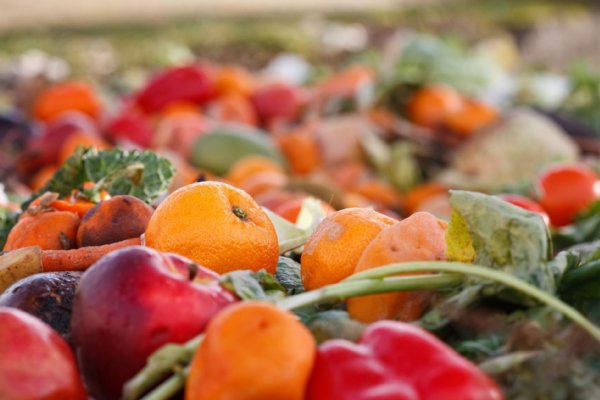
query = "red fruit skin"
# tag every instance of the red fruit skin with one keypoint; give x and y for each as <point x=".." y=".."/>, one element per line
<point x="565" y="190"/>
<point x="35" y="362"/>
<point x="277" y="101"/>
<point x="527" y="204"/>
<point x="131" y="126"/>
<point x="396" y="361"/>
<point x="192" y="83"/>
<point x="132" y="302"/>
<point x="45" y="148"/>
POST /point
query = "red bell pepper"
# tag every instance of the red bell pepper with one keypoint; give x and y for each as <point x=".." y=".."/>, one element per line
<point x="396" y="361"/>
<point x="193" y="83"/>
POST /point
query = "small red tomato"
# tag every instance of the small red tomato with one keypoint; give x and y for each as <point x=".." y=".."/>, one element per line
<point x="526" y="203"/>
<point x="565" y="190"/>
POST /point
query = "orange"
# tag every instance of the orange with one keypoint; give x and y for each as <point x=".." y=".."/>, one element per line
<point x="215" y="225"/>
<point x="333" y="249"/>
<point x="42" y="177"/>
<point x="67" y="96"/>
<point x="247" y="166"/>
<point x="431" y="105"/>
<point x="51" y="230"/>
<point x="80" y="139"/>
<point x="233" y="107"/>
<point x="420" y="237"/>
<point x="252" y="351"/>
<point x="471" y="118"/>
<point x="379" y="192"/>
<point x="419" y="194"/>
<point x="261" y="182"/>
<point x="233" y="79"/>
<point x="301" y="149"/>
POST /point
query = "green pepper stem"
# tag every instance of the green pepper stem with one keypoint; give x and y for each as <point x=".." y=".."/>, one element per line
<point x="346" y="289"/>
<point x="485" y="273"/>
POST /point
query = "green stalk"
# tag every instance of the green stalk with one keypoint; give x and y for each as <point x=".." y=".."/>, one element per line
<point x="485" y="273"/>
<point x="170" y="387"/>
<point x="164" y="361"/>
<point x="346" y="289"/>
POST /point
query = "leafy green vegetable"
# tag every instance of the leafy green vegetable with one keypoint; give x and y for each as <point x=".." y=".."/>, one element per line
<point x="506" y="237"/>
<point x="288" y="275"/>
<point x="143" y="174"/>
<point x="584" y="100"/>
<point x="586" y="228"/>
<point x="581" y="284"/>
<point x="249" y="285"/>
<point x="8" y="219"/>
<point x="429" y="60"/>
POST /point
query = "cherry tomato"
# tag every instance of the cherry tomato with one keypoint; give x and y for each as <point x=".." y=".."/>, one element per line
<point x="565" y="190"/>
<point x="526" y="203"/>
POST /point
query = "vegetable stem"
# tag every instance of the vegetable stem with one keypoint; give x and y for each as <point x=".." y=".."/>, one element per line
<point x="485" y="273"/>
<point x="170" y="387"/>
<point x="345" y="289"/>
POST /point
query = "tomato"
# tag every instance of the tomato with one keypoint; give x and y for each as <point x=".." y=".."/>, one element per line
<point x="527" y="204"/>
<point x="565" y="190"/>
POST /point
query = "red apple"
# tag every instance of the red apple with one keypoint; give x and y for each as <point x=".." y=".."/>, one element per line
<point x="277" y="101"/>
<point x="132" y="302"/>
<point x="35" y="362"/>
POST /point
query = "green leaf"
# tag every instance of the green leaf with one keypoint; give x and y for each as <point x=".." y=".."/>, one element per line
<point x="506" y="237"/>
<point x="310" y="215"/>
<point x="586" y="228"/>
<point x="143" y="174"/>
<point x="8" y="219"/>
<point x="249" y="285"/>
<point x="289" y="236"/>
<point x="288" y="275"/>
<point x="581" y="282"/>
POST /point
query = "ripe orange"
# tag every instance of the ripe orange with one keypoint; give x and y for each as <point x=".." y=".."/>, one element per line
<point x="431" y="105"/>
<point x="262" y="182"/>
<point x="252" y="351"/>
<point x="420" y="237"/>
<point x="215" y="225"/>
<point x="471" y="118"/>
<point x="245" y="167"/>
<point x="301" y="149"/>
<point x="333" y="249"/>
<point x="80" y="139"/>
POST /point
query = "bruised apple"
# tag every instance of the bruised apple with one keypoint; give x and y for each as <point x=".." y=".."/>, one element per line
<point x="132" y="302"/>
<point x="35" y="362"/>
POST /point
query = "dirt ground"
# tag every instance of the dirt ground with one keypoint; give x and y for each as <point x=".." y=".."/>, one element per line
<point x="19" y="14"/>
